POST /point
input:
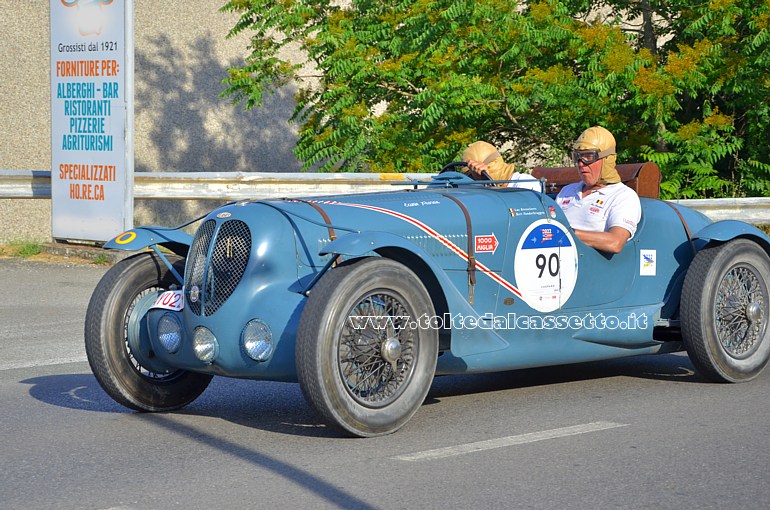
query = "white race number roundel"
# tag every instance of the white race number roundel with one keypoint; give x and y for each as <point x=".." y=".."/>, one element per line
<point x="546" y="265"/>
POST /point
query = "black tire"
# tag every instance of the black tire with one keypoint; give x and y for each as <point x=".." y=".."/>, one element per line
<point x="725" y="308"/>
<point x="367" y="381"/>
<point x="106" y="335"/>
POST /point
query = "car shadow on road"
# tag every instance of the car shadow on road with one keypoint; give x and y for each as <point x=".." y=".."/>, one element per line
<point x="269" y="406"/>
<point x="668" y="367"/>
<point x="281" y="408"/>
<point x="73" y="391"/>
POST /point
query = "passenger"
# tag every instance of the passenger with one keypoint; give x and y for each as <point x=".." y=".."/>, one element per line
<point x="484" y="157"/>
<point x="603" y="211"/>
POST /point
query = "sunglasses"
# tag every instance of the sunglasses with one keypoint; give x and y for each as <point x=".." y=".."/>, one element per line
<point x="590" y="156"/>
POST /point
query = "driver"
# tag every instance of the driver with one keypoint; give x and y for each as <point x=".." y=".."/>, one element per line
<point x="484" y="157"/>
<point x="602" y="210"/>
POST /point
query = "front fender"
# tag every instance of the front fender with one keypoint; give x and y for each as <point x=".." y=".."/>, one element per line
<point x="360" y="243"/>
<point x="726" y="230"/>
<point x="142" y="237"/>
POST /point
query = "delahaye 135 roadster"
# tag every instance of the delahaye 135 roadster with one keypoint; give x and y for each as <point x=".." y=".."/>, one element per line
<point x="364" y="298"/>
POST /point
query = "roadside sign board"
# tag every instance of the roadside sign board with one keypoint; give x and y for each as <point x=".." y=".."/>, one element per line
<point x="91" y="118"/>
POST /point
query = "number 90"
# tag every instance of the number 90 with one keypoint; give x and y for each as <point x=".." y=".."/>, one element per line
<point x="552" y="263"/>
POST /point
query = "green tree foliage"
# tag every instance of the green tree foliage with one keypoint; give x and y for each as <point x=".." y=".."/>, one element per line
<point x="403" y="85"/>
<point x="704" y="94"/>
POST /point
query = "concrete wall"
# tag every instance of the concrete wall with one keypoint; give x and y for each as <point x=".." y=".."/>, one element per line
<point x="181" y="125"/>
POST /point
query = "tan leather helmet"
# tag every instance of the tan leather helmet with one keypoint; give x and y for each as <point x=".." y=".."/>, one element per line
<point x="599" y="139"/>
<point x="488" y="154"/>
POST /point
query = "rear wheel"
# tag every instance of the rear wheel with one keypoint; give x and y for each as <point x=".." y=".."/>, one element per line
<point x="362" y="362"/>
<point x="725" y="310"/>
<point x="112" y="335"/>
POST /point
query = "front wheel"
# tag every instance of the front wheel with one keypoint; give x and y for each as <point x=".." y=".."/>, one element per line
<point x="725" y="310"/>
<point x="362" y="360"/>
<point x="112" y="335"/>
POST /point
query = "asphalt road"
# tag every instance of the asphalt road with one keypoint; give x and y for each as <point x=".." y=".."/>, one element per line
<point x="637" y="433"/>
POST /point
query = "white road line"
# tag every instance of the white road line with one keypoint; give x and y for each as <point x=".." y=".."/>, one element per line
<point x="41" y="363"/>
<point x="503" y="442"/>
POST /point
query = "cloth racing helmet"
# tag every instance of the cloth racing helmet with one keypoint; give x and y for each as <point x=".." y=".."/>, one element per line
<point x="488" y="154"/>
<point x="597" y="143"/>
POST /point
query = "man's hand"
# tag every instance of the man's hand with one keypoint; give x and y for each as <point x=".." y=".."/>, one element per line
<point x="612" y="241"/>
<point x="476" y="170"/>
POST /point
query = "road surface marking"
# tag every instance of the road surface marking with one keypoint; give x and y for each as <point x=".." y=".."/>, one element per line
<point x="503" y="442"/>
<point x="41" y="363"/>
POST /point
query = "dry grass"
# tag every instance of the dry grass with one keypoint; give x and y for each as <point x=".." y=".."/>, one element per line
<point x="35" y="252"/>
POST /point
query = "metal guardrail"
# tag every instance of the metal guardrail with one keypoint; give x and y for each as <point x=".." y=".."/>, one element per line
<point x="751" y="210"/>
<point x="239" y="185"/>
<point x="217" y="185"/>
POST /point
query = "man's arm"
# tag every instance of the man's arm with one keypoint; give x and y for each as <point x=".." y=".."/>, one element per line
<point x="611" y="241"/>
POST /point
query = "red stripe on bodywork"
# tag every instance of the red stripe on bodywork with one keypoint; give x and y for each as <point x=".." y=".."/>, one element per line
<point x="428" y="230"/>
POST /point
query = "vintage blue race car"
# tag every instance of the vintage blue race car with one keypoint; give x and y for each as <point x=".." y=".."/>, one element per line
<point x="363" y="298"/>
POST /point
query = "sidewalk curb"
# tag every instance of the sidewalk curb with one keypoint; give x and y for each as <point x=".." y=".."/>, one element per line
<point x="90" y="253"/>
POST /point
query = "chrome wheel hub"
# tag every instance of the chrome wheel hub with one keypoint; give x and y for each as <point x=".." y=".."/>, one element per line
<point x="391" y="351"/>
<point x="754" y="312"/>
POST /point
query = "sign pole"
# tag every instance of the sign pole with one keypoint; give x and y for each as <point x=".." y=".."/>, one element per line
<point x="128" y="207"/>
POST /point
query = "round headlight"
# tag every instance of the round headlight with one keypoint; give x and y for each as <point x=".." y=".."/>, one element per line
<point x="170" y="333"/>
<point x="205" y="345"/>
<point x="257" y="340"/>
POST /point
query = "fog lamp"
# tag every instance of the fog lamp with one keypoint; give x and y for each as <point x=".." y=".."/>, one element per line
<point x="170" y="333"/>
<point x="257" y="340"/>
<point x="205" y="345"/>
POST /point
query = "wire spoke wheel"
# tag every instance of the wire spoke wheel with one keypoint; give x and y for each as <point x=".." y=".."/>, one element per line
<point x="725" y="309"/>
<point x="739" y="311"/>
<point x="360" y="363"/>
<point x="129" y="374"/>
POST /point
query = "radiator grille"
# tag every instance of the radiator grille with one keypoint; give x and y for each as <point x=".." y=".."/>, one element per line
<point x="210" y="281"/>
<point x="196" y="265"/>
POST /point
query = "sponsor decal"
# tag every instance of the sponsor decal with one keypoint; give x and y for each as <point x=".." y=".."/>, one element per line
<point x="647" y="262"/>
<point x="125" y="237"/>
<point x="486" y="243"/>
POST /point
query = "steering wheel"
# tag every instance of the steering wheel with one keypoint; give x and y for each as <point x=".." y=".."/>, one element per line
<point x="450" y="167"/>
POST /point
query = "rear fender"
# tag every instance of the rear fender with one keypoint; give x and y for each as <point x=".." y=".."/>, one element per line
<point x="727" y="230"/>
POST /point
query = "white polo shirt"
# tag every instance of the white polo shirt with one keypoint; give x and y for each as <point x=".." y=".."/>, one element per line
<point x="615" y="205"/>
